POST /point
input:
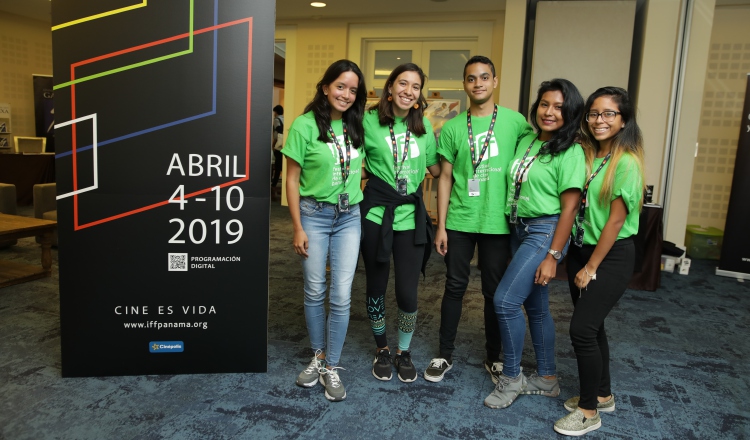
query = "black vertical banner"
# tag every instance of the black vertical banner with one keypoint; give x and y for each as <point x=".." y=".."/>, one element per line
<point x="162" y="121"/>
<point x="735" y="250"/>
<point x="44" y="109"/>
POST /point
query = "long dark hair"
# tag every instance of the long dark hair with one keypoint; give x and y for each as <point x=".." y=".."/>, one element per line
<point x="629" y="140"/>
<point x="572" y="112"/>
<point x="321" y="108"/>
<point x="414" y="119"/>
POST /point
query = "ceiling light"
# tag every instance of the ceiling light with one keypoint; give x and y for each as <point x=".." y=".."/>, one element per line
<point x="318" y="5"/>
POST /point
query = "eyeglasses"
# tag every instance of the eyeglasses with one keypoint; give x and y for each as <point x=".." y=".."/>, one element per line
<point x="607" y="116"/>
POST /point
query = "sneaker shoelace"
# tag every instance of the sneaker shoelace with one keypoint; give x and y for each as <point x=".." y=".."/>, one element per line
<point x="315" y="364"/>
<point x="502" y="381"/>
<point x="333" y="375"/>
<point x="437" y="363"/>
<point x="384" y="357"/>
<point x="405" y="359"/>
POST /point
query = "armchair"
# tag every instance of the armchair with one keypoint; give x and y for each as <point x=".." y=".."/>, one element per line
<point x="45" y="204"/>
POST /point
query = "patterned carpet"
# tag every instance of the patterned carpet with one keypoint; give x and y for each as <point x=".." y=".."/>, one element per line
<point x="677" y="369"/>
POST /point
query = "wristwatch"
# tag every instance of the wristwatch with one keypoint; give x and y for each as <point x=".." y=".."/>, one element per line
<point x="556" y="254"/>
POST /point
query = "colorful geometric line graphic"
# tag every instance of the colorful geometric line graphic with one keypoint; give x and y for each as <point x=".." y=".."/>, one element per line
<point x="96" y="161"/>
<point x="130" y="50"/>
<point x="214" y="28"/>
<point x="74" y="81"/>
<point x="144" y="3"/>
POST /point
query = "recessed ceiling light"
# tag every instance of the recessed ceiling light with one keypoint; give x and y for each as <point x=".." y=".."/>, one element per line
<point x="318" y="5"/>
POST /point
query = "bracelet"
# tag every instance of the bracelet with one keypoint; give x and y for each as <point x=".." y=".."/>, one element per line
<point x="593" y="277"/>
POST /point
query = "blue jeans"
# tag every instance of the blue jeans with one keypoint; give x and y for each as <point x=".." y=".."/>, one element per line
<point x="332" y="236"/>
<point x="530" y="239"/>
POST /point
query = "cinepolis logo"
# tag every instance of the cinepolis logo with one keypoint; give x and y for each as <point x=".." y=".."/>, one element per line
<point x="166" y="346"/>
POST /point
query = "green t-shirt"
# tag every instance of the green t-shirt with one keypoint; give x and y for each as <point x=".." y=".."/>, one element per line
<point x="484" y="213"/>
<point x="321" y="166"/>
<point x="422" y="154"/>
<point x="545" y="179"/>
<point x="628" y="185"/>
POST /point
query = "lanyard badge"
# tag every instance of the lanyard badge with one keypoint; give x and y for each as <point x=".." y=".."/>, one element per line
<point x="401" y="184"/>
<point x="473" y="184"/>
<point x="343" y="204"/>
<point x="578" y="238"/>
<point x="520" y="171"/>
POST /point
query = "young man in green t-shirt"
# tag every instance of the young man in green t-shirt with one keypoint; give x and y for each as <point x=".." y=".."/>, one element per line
<point x="475" y="148"/>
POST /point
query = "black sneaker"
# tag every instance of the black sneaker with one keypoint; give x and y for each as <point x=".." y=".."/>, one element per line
<point x="406" y="370"/>
<point x="382" y="365"/>
<point x="437" y="369"/>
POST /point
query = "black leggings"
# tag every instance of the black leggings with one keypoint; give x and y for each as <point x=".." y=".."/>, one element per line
<point x="592" y="305"/>
<point x="407" y="263"/>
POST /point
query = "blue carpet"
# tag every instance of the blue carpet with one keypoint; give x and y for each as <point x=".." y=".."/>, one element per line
<point x="677" y="369"/>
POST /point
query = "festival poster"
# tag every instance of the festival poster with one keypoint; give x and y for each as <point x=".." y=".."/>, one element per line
<point x="161" y="128"/>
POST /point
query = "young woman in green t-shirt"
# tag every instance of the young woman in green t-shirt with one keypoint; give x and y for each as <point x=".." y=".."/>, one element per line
<point x="400" y="144"/>
<point x="324" y="162"/>
<point x="601" y="265"/>
<point x="544" y="183"/>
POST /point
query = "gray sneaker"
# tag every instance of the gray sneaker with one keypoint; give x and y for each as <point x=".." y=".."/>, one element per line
<point x="536" y="384"/>
<point x="310" y="375"/>
<point x="506" y="391"/>
<point x="576" y="423"/>
<point x="437" y="368"/>
<point x="335" y="391"/>
<point x="608" y="406"/>
<point x="494" y="368"/>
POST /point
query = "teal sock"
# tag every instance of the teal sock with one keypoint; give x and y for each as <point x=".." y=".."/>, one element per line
<point x="406" y="324"/>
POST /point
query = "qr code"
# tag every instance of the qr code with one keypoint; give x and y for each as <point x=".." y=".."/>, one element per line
<point x="178" y="262"/>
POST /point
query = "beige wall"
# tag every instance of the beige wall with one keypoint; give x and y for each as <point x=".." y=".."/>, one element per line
<point x="319" y="43"/>
<point x="582" y="53"/>
<point x="25" y="49"/>
<point x="511" y="55"/>
<point x="688" y="120"/>
<point x="655" y="85"/>
<point x="721" y="115"/>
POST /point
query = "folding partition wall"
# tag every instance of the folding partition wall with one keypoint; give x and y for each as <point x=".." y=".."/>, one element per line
<point x="586" y="42"/>
<point x="163" y="115"/>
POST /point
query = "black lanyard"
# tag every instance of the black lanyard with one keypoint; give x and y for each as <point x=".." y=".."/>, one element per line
<point x="582" y="206"/>
<point x="474" y="160"/>
<point x="395" y="150"/>
<point x="578" y="239"/>
<point x="344" y="163"/>
<point x="521" y="169"/>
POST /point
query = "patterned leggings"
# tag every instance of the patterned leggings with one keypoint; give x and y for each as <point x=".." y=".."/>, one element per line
<point x="407" y="262"/>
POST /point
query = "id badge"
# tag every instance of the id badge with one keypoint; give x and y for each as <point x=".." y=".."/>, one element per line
<point x="578" y="240"/>
<point x="513" y="214"/>
<point x="473" y="187"/>
<point x="344" y="202"/>
<point x="401" y="186"/>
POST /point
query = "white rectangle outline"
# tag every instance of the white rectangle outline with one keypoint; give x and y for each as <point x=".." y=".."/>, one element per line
<point x="94" y="147"/>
